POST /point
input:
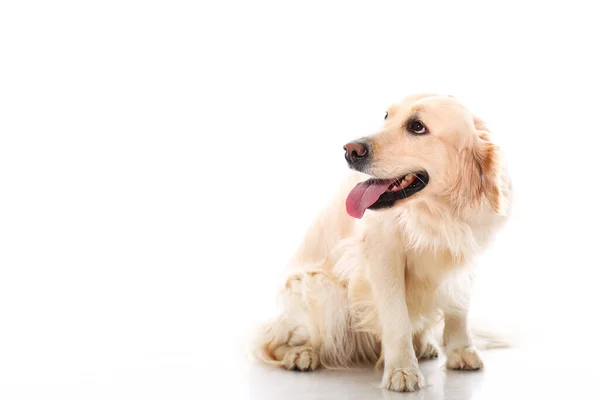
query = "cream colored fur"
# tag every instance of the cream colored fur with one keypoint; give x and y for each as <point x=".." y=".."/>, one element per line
<point x="395" y="283"/>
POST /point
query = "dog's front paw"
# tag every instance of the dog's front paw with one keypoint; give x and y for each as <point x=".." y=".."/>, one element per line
<point x="301" y="358"/>
<point x="402" y="379"/>
<point x="426" y="350"/>
<point x="464" y="358"/>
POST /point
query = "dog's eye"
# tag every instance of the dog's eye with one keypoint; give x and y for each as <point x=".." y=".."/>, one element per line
<point x="386" y="115"/>
<point x="417" y="128"/>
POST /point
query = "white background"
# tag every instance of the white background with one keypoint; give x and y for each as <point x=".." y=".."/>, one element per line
<point x="159" y="162"/>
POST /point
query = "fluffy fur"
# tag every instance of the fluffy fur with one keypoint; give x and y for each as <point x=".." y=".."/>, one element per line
<point x="389" y="286"/>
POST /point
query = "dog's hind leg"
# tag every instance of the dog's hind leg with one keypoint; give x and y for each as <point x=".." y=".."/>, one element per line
<point x="425" y="345"/>
<point x="314" y="327"/>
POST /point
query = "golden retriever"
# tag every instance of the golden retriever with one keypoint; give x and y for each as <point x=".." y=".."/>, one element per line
<point x="387" y="264"/>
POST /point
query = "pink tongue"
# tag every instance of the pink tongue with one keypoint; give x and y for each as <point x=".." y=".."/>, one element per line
<point x="364" y="195"/>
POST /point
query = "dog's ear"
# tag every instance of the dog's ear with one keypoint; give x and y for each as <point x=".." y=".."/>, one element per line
<point x="480" y="172"/>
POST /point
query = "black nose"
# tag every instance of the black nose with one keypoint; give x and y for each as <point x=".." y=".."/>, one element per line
<point x="356" y="154"/>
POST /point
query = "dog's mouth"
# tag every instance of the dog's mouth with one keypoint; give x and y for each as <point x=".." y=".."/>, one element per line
<point x="383" y="193"/>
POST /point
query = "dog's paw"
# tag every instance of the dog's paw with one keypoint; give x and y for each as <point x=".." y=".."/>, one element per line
<point x="427" y="351"/>
<point x="464" y="358"/>
<point x="402" y="379"/>
<point x="301" y="358"/>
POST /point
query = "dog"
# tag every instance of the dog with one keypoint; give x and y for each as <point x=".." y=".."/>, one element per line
<point x="384" y="273"/>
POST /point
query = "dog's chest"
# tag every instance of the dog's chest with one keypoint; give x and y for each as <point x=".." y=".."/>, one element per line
<point x="429" y="268"/>
<point x="425" y="274"/>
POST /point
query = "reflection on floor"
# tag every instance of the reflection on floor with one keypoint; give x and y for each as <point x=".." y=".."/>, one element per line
<point x="507" y="375"/>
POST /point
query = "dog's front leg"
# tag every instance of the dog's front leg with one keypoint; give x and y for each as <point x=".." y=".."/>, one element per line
<point x="458" y="342"/>
<point x="401" y="371"/>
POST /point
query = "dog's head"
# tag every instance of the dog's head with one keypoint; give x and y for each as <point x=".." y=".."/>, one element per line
<point x="428" y="145"/>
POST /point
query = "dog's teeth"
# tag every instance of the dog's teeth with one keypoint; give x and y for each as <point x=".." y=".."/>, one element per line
<point x="409" y="177"/>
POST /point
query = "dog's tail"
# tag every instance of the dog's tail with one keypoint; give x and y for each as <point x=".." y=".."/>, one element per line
<point x="485" y="336"/>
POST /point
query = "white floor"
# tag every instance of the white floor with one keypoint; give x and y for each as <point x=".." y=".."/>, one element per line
<point x="504" y="371"/>
<point x="508" y="374"/>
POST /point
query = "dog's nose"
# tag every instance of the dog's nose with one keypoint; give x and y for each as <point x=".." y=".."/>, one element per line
<point x="356" y="152"/>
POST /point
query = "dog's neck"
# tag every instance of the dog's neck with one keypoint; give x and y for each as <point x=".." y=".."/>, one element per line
<point x="435" y="225"/>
